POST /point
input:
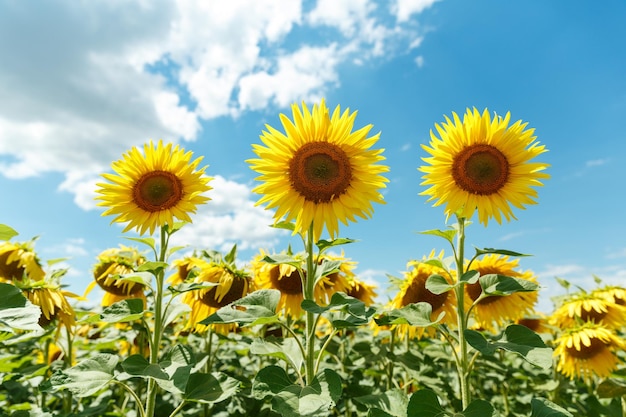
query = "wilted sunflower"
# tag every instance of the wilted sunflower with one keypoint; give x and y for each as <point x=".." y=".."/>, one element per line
<point x="582" y="307"/>
<point x="482" y="163"/>
<point x="319" y="171"/>
<point x="149" y="190"/>
<point x="413" y="290"/>
<point x="231" y="285"/>
<point x="19" y="261"/>
<point x="113" y="263"/>
<point x="498" y="309"/>
<point x="587" y="350"/>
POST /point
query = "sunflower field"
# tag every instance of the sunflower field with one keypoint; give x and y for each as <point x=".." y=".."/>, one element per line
<point x="295" y="332"/>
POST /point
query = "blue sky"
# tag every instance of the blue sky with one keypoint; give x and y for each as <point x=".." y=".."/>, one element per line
<point x="82" y="82"/>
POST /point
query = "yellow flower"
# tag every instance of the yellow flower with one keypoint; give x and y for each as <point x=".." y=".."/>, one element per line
<point x="319" y="171"/>
<point x="149" y="190"/>
<point x="53" y="304"/>
<point x="186" y="268"/>
<point x="482" y="164"/>
<point x="613" y="293"/>
<point x="111" y="264"/>
<point x="231" y="286"/>
<point x="19" y="261"/>
<point x="413" y="290"/>
<point x="362" y="290"/>
<point x="593" y="307"/>
<point x="587" y="350"/>
<point x="336" y="281"/>
<point x="537" y="322"/>
<point x="500" y="309"/>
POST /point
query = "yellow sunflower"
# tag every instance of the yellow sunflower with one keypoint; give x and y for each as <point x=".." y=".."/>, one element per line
<point x="537" y="322"/>
<point x="319" y="171"/>
<point x="612" y="293"/>
<point x="19" y="261"/>
<point x="231" y="286"/>
<point x="497" y="309"/>
<point x="593" y="307"/>
<point x="587" y="350"/>
<point x="413" y="290"/>
<point x="111" y="264"/>
<point x="149" y="190"/>
<point x="186" y="268"/>
<point x="53" y="303"/>
<point x="362" y="290"/>
<point x="335" y="282"/>
<point x="482" y="163"/>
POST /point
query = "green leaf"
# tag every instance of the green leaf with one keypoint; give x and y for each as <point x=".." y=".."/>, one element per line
<point x="479" y="408"/>
<point x="123" y="311"/>
<point x="6" y="232"/>
<point x="285" y="349"/>
<point x="281" y="258"/>
<point x="16" y="311"/>
<point x="435" y="262"/>
<point x="152" y="267"/>
<point x="437" y="284"/>
<point x="424" y="403"/>
<point x="519" y="339"/>
<point x="192" y="286"/>
<point x="322" y="244"/>
<point x="415" y="314"/>
<point x="137" y="365"/>
<point x="88" y="377"/>
<point x="210" y="388"/>
<point x="485" y="251"/>
<point x="390" y="403"/>
<point x="610" y="388"/>
<point x="470" y="277"/>
<point x="285" y="225"/>
<point x="177" y="364"/>
<point x="259" y="308"/>
<point x="351" y="312"/>
<point x="148" y="241"/>
<point x="232" y="255"/>
<point x="545" y="408"/>
<point x="446" y="234"/>
<point x="327" y="267"/>
<point x="270" y="381"/>
<point x="314" y="400"/>
<point x="496" y="284"/>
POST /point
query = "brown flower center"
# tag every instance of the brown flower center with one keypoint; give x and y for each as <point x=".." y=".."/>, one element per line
<point x="416" y="292"/>
<point x="157" y="190"/>
<point x="320" y="171"/>
<point x="288" y="284"/>
<point x="480" y="169"/>
<point x="238" y="288"/>
<point x="11" y="270"/>
<point x="592" y="315"/>
<point x="532" y="324"/>
<point x="587" y="352"/>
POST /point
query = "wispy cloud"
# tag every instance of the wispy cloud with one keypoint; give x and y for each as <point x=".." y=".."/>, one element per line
<point x="597" y="162"/>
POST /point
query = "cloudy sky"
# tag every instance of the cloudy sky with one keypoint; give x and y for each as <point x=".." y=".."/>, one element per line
<point x="82" y="82"/>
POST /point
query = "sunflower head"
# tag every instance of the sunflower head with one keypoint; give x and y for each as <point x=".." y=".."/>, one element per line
<point x="498" y="310"/>
<point x="186" y="269"/>
<point x="18" y="261"/>
<point x="592" y="307"/>
<point x="587" y="350"/>
<point x="362" y="291"/>
<point x="482" y="164"/>
<point x="319" y="172"/>
<point x="148" y="190"/>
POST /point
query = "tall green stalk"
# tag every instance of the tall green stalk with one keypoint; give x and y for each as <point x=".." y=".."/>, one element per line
<point x="309" y="287"/>
<point x="462" y="361"/>
<point x="157" y="332"/>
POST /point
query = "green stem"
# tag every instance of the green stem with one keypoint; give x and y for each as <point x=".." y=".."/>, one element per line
<point x="462" y="363"/>
<point x="68" y="364"/>
<point x="158" y="324"/>
<point x="178" y="409"/>
<point x="309" y="287"/>
<point x="132" y="394"/>
<point x="323" y="348"/>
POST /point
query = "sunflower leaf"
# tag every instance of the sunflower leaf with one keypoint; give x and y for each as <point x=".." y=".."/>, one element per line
<point x="87" y="377"/>
<point x="284" y="225"/>
<point x="148" y="241"/>
<point x="192" y="286"/>
<point x="485" y="251"/>
<point x="314" y="400"/>
<point x="437" y="284"/>
<point x="210" y="388"/>
<point x="350" y="311"/>
<point x="496" y="284"/>
<point x="610" y="388"/>
<point x="123" y="311"/>
<point x="285" y="349"/>
<point x="6" y="232"/>
<point x="281" y="258"/>
<point x="137" y="365"/>
<point x="259" y="308"/>
<point x="545" y="408"/>
<point x="470" y="277"/>
<point x="446" y="234"/>
<point x="16" y="311"/>
<point x="391" y="403"/>
<point x="322" y="244"/>
<point x="415" y="314"/>
<point x="152" y="267"/>
<point x="425" y="403"/>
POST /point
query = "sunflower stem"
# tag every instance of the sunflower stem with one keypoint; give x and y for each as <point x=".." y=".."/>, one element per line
<point x="158" y="324"/>
<point x="462" y="363"/>
<point x="309" y="287"/>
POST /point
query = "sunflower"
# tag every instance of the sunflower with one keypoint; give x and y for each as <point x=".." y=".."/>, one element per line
<point x="592" y="307"/>
<point x="612" y="293"/>
<point x="231" y="286"/>
<point x="587" y="350"/>
<point x="52" y="301"/>
<point x="537" y="322"/>
<point x="362" y="290"/>
<point x="113" y="263"/>
<point x="482" y="163"/>
<point x="319" y="172"/>
<point x="413" y="290"/>
<point x="497" y="309"/>
<point x="149" y="190"/>
<point x="19" y="261"/>
<point x="186" y="269"/>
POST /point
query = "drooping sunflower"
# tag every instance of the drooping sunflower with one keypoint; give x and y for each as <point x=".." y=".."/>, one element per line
<point x="612" y="293"/>
<point x="587" y="350"/>
<point x="482" y="164"/>
<point x="413" y="290"/>
<point x="319" y="171"/>
<point x="148" y="190"/>
<point x="231" y="286"/>
<point x="593" y="307"/>
<point x="112" y="264"/>
<point x="496" y="309"/>
<point x="362" y="290"/>
<point x="53" y="302"/>
<point x="19" y="261"/>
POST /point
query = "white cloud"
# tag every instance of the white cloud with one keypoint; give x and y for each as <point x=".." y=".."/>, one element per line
<point x="404" y="9"/>
<point x="346" y="15"/>
<point x="596" y="162"/>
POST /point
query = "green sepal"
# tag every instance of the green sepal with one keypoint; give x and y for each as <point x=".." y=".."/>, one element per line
<point x="518" y="339"/>
<point x="6" y="232"/>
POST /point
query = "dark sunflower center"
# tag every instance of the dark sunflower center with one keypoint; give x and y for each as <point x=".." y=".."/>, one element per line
<point x="238" y="288"/>
<point x="357" y="292"/>
<point x="480" y="169"/>
<point x="474" y="290"/>
<point x="592" y="315"/>
<point x="417" y="292"/>
<point x="157" y="190"/>
<point x="320" y="171"/>
<point x="586" y="352"/>
<point x="288" y="284"/>
<point x="11" y="270"/>
<point x="532" y="324"/>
